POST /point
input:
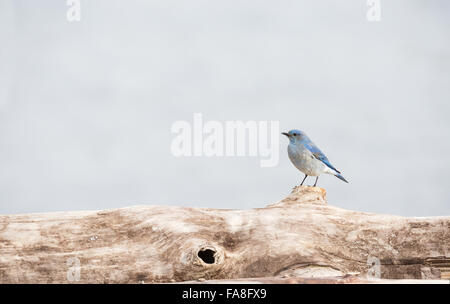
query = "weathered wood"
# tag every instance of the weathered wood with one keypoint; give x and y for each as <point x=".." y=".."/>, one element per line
<point x="347" y="279"/>
<point x="297" y="238"/>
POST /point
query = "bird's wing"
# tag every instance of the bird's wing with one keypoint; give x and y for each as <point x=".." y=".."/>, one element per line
<point x="319" y="154"/>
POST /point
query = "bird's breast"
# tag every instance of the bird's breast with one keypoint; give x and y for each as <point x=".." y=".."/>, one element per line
<point x="303" y="160"/>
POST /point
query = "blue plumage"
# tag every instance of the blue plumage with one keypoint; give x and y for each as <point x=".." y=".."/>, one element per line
<point x="308" y="158"/>
<point x="317" y="153"/>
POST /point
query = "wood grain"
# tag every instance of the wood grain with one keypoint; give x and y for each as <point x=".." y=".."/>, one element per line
<point x="298" y="238"/>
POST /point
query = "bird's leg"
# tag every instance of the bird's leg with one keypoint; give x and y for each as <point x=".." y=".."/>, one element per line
<point x="317" y="178"/>
<point x="303" y="180"/>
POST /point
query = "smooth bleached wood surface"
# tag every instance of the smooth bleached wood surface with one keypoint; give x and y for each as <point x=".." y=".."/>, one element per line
<point x="300" y="239"/>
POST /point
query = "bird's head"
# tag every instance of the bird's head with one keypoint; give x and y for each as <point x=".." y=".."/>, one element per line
<point x="294" y="135"/>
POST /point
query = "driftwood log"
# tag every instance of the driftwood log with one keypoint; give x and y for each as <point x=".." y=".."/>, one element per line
<point x="299" y="239"/>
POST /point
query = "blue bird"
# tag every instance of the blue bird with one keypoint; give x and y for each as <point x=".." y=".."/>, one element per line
<point x="306" y="157"/>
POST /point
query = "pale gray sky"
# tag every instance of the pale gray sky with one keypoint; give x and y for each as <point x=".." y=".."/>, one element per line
<point x="86" y="108"/>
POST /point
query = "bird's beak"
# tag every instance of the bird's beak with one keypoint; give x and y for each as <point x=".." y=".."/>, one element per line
<point x="285" y="134"/>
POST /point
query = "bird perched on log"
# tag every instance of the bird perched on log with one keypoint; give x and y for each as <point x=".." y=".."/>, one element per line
<point x="306" y="157"/>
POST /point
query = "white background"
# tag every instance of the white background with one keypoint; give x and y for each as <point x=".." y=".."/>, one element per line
<point x="86" y="107"/>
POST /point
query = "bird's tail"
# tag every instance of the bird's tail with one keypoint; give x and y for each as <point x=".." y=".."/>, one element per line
<point x="341" y="177"/>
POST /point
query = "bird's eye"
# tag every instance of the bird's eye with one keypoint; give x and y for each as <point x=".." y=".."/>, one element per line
<point x="295" y="134"/>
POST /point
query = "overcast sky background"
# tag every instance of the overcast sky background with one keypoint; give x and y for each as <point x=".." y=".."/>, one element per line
<point x="86" y="107"/>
